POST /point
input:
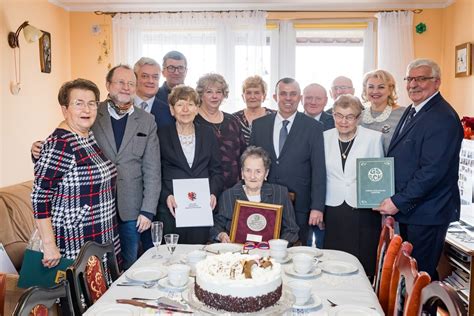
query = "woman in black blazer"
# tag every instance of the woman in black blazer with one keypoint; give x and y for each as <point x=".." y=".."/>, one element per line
<point x="188" y="151"/>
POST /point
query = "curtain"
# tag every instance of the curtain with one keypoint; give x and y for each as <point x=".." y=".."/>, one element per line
<point x="395" y="47"/>
<point x="230" y="43"/>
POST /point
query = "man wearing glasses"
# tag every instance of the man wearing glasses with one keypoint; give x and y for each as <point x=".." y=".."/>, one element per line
<point x="340" y="85"/>
<point x="174" y="70"/>
<point x="425" y="145"/>
<point x="148" y="73"/>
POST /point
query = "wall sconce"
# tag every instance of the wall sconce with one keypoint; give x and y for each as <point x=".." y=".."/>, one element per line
<point x="32" y="34"/>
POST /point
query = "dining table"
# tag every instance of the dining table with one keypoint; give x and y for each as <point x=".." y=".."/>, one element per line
<point x="333" y="294"/>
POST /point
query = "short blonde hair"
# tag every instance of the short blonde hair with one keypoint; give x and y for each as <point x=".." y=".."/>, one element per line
<point x="254" y="82"/>
<point x="387" y="78"/>
<point x="182" y="92"/>
<point x="210" y="79"/>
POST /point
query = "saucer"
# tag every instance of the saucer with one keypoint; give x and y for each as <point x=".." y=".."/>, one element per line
<point x="338" y="267"/>
<point x="313" y="302"/>
<point x="284" y="260"/>
<point x="312" y="273"/>
<point x="145" y="274"/>
<point x="165" y="284"/>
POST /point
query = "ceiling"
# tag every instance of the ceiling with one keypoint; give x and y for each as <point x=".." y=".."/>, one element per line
<point x="268" y="5"/>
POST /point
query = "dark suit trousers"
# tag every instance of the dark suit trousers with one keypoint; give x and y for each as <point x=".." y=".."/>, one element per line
<point x="428" y="244"/>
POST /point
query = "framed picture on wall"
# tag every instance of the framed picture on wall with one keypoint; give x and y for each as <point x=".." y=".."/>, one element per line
<point x="463" y="63"/>
<point x="45" y="52"/>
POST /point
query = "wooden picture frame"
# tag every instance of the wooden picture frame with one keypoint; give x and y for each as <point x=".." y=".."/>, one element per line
<point x="463" y="60"/>
<point x="256" y="222"/>
<point x="45" y="52"/>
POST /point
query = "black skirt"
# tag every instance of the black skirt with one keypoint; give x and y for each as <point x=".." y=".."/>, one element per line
<point x="355" y="231"/>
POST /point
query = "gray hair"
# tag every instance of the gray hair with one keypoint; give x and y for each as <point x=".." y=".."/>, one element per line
<point x="435" y="70"/>
<point x="258" y="152"/>
<point x="145" y="61"/>
<point x="210" y="79"/>
<point x="176" y="56"/>
<point x="110" y="74"/>
<point x="348" y="101"/>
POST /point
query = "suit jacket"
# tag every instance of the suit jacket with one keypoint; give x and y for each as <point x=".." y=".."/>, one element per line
<point x="342" y="185"/>
<point x="300" y="166"/>
<point x="163" y="93"/>
<point x="426" y="156"/>
<point x="206" y="164"/>
<point x="269" y="193"/>
<point x="327" y="120"/>
<point x="137" y="161"/>
<point x="162" y="113"/>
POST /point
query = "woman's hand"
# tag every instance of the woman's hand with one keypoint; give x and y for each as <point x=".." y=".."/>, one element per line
<point x="36" y="148"/>
<point x="213" y="201"/>
<point x="171" y="203"/>
<point x="51" y="255"/>
<point x="223" y="237"/>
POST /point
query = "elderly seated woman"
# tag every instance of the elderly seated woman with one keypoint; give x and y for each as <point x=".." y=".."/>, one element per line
<point x="255" y="163"/>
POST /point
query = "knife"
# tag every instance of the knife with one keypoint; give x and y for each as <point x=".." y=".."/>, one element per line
<point x="144" y="305"/>
<point x="162" y="301"/>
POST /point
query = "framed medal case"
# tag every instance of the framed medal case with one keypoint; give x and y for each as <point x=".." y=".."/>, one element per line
<point x="256" y="222"/>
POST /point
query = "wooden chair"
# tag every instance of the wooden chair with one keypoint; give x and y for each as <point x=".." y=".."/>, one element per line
<point x="38" y="301"/>
<point x="88" y="276"/>
<point x="440" y="295"/>
<point x="392" y="292"/>
<point x="409" y="286"/>
<point x="386" y="236"/>
<point x="3" y="292"/>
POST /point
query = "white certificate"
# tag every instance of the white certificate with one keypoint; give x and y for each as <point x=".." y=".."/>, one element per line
<point x="193" y="199"/>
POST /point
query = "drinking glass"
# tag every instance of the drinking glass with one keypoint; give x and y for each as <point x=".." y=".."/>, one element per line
<point x="157" y="236"/>
<point x="171" y="241"/>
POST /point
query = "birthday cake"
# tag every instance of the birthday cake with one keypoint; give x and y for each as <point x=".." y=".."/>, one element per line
<point x="238" y="283"/>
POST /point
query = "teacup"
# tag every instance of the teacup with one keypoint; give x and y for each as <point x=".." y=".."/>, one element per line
<point x="178" y="274"/>
<point x="278" y="254"/>
<point x="303" y="263"/>
<point x="301" y="290"/>
<point x="278" y="248"/>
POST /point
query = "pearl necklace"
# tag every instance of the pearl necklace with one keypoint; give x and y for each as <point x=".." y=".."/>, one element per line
<point x="367" y="117"/>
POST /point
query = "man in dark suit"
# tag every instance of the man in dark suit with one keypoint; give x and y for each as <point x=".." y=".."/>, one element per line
<point x="314" y="100"/>
<point x="174" y="70"/>
<point x="148" y="71"/>
<point x="340" y="85"/>
<point x="296" y="147"/>
<point x="426" y="147"/>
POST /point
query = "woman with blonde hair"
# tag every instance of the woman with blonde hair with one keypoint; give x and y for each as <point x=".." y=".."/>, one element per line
<point x="254" y="92"/>
<point x="383" y="114"/>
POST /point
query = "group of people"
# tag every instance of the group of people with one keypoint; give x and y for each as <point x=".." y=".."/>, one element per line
<point x="107" y="171"/>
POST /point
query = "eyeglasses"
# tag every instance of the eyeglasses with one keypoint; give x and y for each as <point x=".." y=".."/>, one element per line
<point x="249" y="245"/>
<point x="349" y="117"/>
<point x="419" y="79"/>
<point x="81" y="104"/>
<point x="122" y="83"/>
<point x="341" y="87"/>
<point x="147" y="77"/>
<point x="173" y="69"/>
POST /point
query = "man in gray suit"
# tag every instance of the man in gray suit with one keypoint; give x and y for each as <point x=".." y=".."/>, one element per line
<point x="128" y="137"/>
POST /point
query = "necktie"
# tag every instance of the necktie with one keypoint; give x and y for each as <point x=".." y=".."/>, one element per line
<point x="144" y="105"/>
<point x="283" y="133"/>
<point x="408" y="119"/>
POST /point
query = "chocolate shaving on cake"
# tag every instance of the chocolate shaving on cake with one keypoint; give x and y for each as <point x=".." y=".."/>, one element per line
<point x="247" y="269"/>
<point x="265" y="263"/>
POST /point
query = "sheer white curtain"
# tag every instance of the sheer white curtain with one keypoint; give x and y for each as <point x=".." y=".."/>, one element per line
<point x="395" y="47"/>
<point x="230" y="43"/>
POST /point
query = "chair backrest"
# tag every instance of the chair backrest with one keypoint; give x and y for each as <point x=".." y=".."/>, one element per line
<point x="387" y="270"/>
<point x="89" y="276"/>
<point x="436" y="293"/>
<point x="392" y="293"/>
<point x="38" y="301"/>
<point x="410" y="284"/>
<point x="3" y="292"/>
<point x="386" y="236"/>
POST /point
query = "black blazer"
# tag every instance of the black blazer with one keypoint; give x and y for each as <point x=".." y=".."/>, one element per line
<point x="426" y="165"/>
<point x="207" y="160"/>
<point x="162" y="113"/>
<point x="327" y="120"/>
<point x="301" y="166"/>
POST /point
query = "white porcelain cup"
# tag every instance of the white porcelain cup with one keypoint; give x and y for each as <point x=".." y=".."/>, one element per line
<point x="178" y="274"/>
<point x="303" y="263"/>
<point x="278" y="254"/>
<point x="278" y="248"/>
<point x="301" y="290"/>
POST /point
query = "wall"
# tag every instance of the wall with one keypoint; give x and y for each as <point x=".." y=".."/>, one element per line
<point x="34" y="112"/>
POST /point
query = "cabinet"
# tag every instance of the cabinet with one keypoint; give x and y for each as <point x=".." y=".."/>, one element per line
<point x="457" y="266"/>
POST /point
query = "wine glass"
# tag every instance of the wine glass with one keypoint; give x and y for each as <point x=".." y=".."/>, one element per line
<point x="171" y="241"/>
<point x="157" y="236"/>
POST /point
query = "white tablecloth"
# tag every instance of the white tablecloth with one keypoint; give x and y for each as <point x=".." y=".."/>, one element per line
<point x="354" y="289"/>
